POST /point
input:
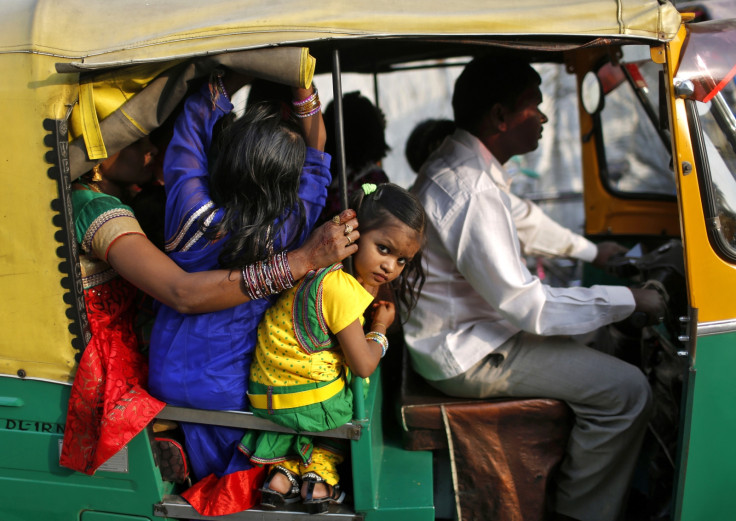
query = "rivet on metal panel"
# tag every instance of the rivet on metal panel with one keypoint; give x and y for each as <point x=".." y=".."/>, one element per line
<point x="686" y="167"/>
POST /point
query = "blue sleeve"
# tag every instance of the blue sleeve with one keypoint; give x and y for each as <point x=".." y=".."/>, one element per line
<point x="186" y="175"/>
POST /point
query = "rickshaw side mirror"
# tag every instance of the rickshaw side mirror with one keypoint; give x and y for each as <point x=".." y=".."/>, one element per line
<point x="591" y="93"/>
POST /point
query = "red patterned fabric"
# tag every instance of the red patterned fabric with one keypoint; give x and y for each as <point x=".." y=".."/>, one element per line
<point x="213" y="496"/>
<point x="108" y="405"/>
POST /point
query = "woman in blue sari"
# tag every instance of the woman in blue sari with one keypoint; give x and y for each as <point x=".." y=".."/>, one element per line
<point x="249" y="197"/>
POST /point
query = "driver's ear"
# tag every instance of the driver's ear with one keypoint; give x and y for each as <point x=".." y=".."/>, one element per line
<point x="496" y="117"/>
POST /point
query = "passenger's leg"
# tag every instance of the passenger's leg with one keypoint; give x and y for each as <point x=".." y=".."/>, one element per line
<point x="611" y="400"/>
<point x="324" y="464"/>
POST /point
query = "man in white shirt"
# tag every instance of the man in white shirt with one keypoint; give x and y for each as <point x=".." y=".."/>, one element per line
<point x="486" y="327"/>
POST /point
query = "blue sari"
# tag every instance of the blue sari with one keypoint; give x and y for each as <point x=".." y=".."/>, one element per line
<point x="203" y="361"/>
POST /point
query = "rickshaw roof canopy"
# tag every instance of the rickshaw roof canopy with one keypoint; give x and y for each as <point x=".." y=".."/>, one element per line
<point x="107" y="33"/>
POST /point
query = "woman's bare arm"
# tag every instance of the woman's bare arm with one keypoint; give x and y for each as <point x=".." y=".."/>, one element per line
<point x="313" y="127"/>
<point x="136" y="259"/>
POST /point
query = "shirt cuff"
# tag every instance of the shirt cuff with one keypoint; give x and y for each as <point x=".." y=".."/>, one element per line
<point x="622" y="302"/>
<point x="586" y="251"/>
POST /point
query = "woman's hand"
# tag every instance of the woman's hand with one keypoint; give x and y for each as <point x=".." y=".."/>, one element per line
<point x="326" y="245"/>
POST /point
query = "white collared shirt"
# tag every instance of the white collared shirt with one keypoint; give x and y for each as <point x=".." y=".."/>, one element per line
<point x="478" y="291"/>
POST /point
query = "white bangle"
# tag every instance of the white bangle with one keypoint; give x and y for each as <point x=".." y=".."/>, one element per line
<point x="380" y="339"/>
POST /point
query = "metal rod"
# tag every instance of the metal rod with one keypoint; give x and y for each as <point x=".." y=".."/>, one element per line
<point x="339" y="162"/>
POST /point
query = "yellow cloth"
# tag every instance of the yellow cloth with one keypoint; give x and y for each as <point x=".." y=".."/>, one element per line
<point x="279" y="360"/>
<point x="324" y="463"/>
<point x="297" y="399"/>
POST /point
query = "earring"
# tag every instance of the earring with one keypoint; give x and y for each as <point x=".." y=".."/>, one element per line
<point x="97" y="173"/>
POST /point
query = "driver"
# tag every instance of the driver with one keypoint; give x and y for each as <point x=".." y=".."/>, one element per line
<point x="485" y="327"/>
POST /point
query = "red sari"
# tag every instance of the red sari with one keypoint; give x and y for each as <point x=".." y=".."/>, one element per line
<point x="108" y="405"/>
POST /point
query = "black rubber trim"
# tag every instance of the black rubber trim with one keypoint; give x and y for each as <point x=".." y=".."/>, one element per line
<point x="57" y="140"/>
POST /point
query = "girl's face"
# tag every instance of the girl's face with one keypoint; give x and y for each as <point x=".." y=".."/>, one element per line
<point x="383" y="253"/>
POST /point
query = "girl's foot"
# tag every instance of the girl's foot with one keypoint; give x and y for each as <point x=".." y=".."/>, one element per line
<point x="281" y="488"/>
<point x="318" y="495"/>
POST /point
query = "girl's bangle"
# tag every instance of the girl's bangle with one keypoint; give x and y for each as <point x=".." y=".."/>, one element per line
<point x="380" y="339"/>
<point x="376" y="324"/>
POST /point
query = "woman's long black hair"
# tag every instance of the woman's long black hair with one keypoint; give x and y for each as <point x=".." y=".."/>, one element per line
<point x="256" y="164"/>
<point x="390" y="200"/>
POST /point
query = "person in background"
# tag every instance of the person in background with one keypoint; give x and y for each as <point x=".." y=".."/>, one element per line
<point x="426" y="137"/>
<point x="486" y="327"/>
<point x="365" y="147"/>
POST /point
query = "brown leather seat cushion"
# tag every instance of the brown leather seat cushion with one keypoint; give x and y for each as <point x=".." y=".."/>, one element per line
<point x="421" y="412"/>
<point x="504" y="450"/>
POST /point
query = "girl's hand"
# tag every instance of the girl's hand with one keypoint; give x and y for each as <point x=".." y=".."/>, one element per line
<point x="384" y="313"/>
<point x="362" y="355"/>
<point x="326" y="245"/>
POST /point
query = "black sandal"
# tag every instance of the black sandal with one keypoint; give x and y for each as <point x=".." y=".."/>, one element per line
<point x="271" y="498"/>
<point x="321" y="504"/>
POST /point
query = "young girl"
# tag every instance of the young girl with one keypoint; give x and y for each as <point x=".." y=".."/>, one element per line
<point x="312" y="339"/>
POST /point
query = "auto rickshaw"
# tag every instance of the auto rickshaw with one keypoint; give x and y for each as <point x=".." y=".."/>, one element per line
<point x="666" y="182"/>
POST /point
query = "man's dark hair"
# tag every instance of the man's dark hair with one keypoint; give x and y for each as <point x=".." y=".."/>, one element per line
<point x="488" y="80"/>
<point x="426" y="137"/>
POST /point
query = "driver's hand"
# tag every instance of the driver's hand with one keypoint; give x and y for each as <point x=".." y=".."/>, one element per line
<point x="650" y="301"/>
<point x="606" y="250"/>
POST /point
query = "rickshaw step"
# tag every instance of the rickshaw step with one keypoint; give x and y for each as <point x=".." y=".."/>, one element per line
<point x="246" y="420"/>
<point x="174" y="506"/>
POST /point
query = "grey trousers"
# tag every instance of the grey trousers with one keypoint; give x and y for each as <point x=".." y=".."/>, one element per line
<point x="611" y="400"/>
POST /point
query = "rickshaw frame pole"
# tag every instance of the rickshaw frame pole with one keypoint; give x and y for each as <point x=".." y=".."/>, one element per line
<point x="357" y="384"/>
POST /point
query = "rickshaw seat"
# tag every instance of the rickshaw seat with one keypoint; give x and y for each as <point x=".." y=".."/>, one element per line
<point x="504" y="450"/>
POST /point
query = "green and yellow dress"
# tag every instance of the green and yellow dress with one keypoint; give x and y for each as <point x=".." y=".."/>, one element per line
<point x="298" y="378"/>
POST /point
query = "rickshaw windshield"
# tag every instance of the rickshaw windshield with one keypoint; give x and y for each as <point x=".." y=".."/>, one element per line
<point x="706" y="77"/>
<point x="636" y="146"/>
